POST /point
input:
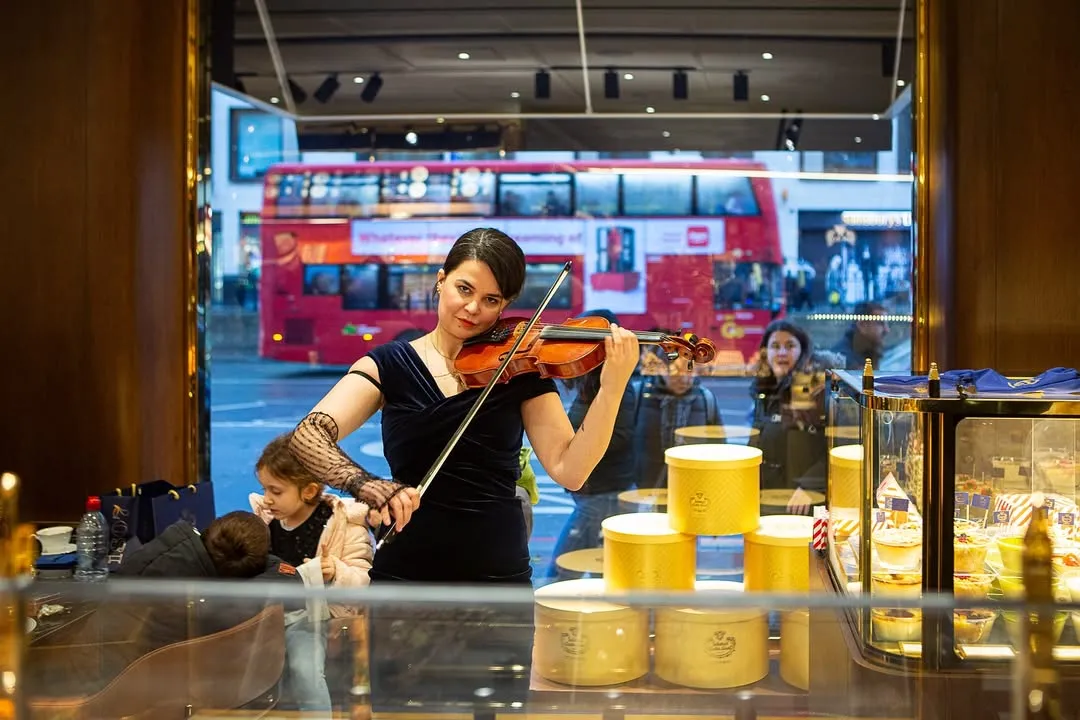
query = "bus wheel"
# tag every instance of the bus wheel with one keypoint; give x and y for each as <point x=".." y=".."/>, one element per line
<point x="409" y="335"/>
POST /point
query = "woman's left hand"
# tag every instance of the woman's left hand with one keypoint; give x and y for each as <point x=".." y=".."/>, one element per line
<point x="800" y="502"/>
<point x="621" y="355"/>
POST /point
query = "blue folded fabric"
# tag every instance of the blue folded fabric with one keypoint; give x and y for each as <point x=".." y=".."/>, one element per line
<point x="46" y="562"/>
<point x="1055" y="380"/>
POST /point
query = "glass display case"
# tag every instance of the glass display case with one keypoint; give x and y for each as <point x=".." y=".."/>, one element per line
<point x="933" y="494"/>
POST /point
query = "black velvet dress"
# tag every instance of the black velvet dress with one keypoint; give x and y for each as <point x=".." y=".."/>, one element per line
<point x="469" y="527"/>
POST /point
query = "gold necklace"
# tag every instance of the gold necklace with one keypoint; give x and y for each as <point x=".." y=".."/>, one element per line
<point x="445" y="357"/>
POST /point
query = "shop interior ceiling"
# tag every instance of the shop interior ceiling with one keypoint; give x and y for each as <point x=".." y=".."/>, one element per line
<point x="468" y="70"/>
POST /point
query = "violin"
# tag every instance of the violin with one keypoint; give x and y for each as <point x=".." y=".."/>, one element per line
<point x="568" y="350"/>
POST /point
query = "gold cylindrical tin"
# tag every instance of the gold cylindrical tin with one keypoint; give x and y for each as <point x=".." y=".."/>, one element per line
<point x="644" y="500"/>
<point x="714" y="489"/>
<point x="777" y="554"/>
<point x="643" y="552"/>
<point x="712" y="648"/>
<point x="795" y="648"/>
<point x="845" y="476"/>
<point x="587" y="641"/>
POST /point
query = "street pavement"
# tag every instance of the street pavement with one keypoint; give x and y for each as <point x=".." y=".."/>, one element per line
<point x="253" y="400"/>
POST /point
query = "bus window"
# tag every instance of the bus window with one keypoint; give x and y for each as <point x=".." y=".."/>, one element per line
<point x="534" y="195"/>
<point x="597" y="195"/>
<point x="656" y="195"/>
<point x="322" y="280"/>
<point x="360" y="287"/>
<point x="416" y="192"/>
<point x="410" y="287"/>
<point x="416" y="186"/>
<point x="738" y="286"/>
<point x="350" y="194"/>
<point x="725" y="195"/>
<point x="539" y="278"/>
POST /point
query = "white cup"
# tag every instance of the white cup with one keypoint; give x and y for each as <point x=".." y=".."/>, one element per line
<point x="54" y="539"/>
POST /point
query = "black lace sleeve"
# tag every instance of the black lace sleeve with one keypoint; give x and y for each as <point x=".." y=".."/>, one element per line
<point x="314" y="444"/>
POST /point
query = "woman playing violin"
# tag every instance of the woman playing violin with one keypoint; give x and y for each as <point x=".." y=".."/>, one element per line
<point x="470" y="527"/>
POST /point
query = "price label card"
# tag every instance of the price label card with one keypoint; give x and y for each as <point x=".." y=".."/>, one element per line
<point x="982" y="502"/>
<point x="961" y="498"/>
<point x="879" y="517"/>
<point x="897" y="504"/>
<point x="1050" y="503"/>
<point x="1001" y="517"/>
<point x="1066" y="519"/>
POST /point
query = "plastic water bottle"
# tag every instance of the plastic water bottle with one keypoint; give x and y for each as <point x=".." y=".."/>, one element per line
<point x="92" y="544"/>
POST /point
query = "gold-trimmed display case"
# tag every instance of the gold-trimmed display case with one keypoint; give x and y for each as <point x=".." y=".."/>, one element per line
<point x="932" y="494"/>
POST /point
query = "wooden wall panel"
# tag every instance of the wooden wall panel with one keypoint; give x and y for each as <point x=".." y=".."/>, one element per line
<point x="92" y="268"/>
<point x="1012" y="164"/>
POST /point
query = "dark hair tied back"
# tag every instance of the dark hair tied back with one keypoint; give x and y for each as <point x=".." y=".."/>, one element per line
<point x="495" y="249"/>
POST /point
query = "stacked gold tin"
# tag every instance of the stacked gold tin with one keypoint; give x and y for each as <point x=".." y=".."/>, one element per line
<point x="713" y="490"/>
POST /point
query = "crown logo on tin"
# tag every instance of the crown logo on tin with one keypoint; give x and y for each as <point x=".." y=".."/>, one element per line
<point x="721" y="645"/>
<point x="573" y="642"/>
<point x="699" y="502"/>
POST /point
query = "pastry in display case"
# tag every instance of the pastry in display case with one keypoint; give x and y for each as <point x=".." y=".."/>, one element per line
<point x="964" y="466"/>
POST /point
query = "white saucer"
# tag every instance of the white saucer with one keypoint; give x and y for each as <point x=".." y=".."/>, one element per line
<point x="31" y="623"/>
<point x="69" y="548"/>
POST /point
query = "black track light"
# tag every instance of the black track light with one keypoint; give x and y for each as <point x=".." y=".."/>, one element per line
<point x="299" y="95"/>
<point x="680" y="85"/>
<point x="326" y="90"/>
<point x="741" y="86"/>
<point x="611" y="85"/>
<point x="371" y="88"/>
<point x="542" y="86"/>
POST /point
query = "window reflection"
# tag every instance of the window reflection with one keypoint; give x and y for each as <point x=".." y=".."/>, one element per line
<point x="725" y="195"/>
<point x="747" y="285"/>
<point x="534" y="195"/>
<point x="322" y="280"/>
<point x="657" y="195"/>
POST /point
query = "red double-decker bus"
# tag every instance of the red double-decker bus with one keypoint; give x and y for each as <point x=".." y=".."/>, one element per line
<point x="350" y="252"/>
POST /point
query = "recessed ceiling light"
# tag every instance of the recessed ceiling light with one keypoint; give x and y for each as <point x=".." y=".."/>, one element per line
<point x="765" y="98"/>
<point x="463" y="56"/>
<point x="440" y="120"/>
<point x="858" y="139"/>
<point x="900" y="83"/>
<point x="650" y="109"/>
<point x="876" y="116"/>
<point x="515" y="94"/>
<point x="358" y="79"/>
<point x="275" y="100"/>
<point x="628" y="76"/>
<point x="766" y="56"/>
<point x="667" y="134"/>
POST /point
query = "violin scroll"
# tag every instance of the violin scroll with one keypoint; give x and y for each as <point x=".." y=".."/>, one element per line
<point x="691" y="347"/>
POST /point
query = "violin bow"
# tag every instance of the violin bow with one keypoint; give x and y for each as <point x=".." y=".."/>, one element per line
<point x="452" y="443"/>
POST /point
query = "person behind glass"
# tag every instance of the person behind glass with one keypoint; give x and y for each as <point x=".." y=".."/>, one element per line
<point x="672" y="397"/>
<point x="598" y="498"/>
<point x="865" y="338"/>
<point x="789" y="413"/>
<point x="470" y="526"/>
